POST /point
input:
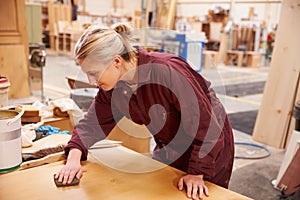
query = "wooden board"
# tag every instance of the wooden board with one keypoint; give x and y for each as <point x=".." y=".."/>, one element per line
<point x="64" y="123"/>
<point x="30" y="111"/>
<point x="49" y="141"/>
<point x="14" y="47"/>
<point x="13" y="64"/>
<point x="166" y="14"/>
<point x="292" y="124"/>
<point x="133" y="136"/>
<point x="223" y="48"/>
<point x="291" y="150"/>
<point x="275" y="112"/>
<point x="100" y="181"/>
<point x="291" y="178"/>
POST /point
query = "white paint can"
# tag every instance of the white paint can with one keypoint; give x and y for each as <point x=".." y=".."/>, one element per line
<point x="10" y="139"/>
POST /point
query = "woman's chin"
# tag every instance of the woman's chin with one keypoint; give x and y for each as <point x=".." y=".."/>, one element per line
<point x="105" y="87"/>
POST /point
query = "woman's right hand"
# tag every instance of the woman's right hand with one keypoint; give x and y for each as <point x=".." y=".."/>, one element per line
<point x="71" y="169"/>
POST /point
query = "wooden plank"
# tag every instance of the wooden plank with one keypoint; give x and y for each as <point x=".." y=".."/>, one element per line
<point x="171" y="14"/>
<point x="223" y="48"/>
<point x="292" y="123"/>
<point x="291" y="178"/>
<point x="166" y="14"/>
<point x="97" y="176"/>
<point x="274" y="115"/>
<point x="64" y="123"/>
<point x="290" y="152"/>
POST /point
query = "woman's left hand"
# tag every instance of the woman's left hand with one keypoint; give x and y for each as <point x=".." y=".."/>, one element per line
<point x="194" y="185"/>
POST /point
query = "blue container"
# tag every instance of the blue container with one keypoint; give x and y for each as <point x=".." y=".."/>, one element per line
<point x="191" y="47"/>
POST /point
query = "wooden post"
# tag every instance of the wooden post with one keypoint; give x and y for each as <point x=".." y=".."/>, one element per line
<point x="280" y="91"/>
<point x="223" y="47"/>
<point x="171" y="14"/>
<point x="166" y="14"/>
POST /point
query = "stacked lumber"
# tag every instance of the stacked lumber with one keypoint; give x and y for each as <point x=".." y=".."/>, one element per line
<point x="57" y="12"/>
<point x="67" y="35"/>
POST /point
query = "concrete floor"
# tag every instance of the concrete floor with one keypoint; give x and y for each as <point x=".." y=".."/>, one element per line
<point x="58" y="67"/>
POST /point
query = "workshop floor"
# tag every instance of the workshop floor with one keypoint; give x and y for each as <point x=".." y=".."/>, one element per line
<point x="251" y="177"/>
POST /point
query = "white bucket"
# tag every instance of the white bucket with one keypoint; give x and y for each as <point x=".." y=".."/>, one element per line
<point x="4" y="87"/>
<point x="10" y="139"/>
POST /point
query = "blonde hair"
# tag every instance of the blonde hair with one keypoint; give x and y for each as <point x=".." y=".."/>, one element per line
<point x="103" y="43"/>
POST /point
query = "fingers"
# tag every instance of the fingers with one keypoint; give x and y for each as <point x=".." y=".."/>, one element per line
<point x="71" y="176"/>
<point x="180" y="184"/>
<point x="195" y="190"/>
<point x="205" y="190"/>
<point x="66" y="175"/>
<point x="195" y="186"/>
<point x="189" y="188"/>
<point x="200" y="192"/>
<point x="79" y="174"/>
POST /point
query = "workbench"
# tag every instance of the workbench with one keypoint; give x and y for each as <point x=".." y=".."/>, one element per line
<point x="103" y="179"/>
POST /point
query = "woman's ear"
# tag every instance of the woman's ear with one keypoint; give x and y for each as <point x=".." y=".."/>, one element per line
<point x="118" y="61"/>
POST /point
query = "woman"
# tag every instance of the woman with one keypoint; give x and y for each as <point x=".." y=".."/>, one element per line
<point x="187" y="120"/>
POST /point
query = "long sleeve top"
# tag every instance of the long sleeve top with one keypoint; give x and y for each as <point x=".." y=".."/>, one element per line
<point x="180" y="109"/>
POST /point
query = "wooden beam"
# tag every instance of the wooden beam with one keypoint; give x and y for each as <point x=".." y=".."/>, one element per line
<point x="275" y="112"/>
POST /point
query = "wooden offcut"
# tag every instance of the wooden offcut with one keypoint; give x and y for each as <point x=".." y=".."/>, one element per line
<point x="275" y="113"/>
<point x="30" y="111"/>
<point x="33" y="119"/>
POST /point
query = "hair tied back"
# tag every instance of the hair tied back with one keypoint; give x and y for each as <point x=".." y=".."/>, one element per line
<point x="122" y="28"/>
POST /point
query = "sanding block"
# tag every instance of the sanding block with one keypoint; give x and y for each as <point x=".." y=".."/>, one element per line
<point x="75" y="181"/>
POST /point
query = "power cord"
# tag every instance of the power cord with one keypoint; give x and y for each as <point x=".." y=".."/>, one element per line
<point x="253" y="145"/>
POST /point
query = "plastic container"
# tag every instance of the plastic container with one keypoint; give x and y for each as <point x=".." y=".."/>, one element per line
<point x="191" y="48"/>
<point x="4" y="88"/>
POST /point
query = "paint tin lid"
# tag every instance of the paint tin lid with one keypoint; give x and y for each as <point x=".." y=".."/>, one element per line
<point x="3" y="79"/>
<point x="4" y="83"/>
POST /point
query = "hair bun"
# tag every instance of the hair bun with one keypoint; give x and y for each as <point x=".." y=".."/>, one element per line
<point x="122" y="28"/>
